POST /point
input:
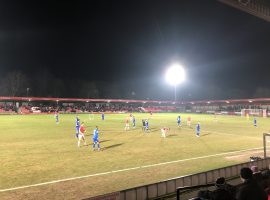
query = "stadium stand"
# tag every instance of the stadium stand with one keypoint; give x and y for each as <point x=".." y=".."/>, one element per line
<point x="23" y="105"/>
<point x="7" y="108"/>
<point x="25" y="110"/>
<point x="158" y="109"/>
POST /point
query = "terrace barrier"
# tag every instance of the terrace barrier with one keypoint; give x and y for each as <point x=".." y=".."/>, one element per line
<point x="169" y="187"/>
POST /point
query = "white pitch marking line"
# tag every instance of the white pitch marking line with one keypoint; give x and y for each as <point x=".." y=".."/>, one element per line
<point x="127" y="169"/>
<point x="222" y="133"/>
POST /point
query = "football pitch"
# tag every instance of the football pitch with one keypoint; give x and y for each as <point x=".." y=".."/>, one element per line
<point x="43" y="158"/>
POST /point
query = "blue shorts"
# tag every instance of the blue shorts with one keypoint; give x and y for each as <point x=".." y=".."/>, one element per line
<point x="95" y="140"/>
<point x="77" y="129"/>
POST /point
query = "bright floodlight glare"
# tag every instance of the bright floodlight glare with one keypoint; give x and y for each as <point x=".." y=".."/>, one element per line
<point x="175" y="75"/>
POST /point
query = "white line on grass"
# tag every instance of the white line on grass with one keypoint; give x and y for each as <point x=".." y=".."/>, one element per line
<point x="127" y="169"/>
<point x="223" y="133"/>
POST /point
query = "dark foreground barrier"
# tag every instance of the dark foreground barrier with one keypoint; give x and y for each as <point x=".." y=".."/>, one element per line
<point x="168" y="188"/>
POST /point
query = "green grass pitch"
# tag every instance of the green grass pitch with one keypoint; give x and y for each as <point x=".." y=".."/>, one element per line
<point x="34" y="149"/>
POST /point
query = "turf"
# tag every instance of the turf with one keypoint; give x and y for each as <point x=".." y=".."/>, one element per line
<point x="34" y="149"/>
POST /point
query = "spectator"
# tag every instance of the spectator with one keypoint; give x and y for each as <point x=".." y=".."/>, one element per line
<point x="250" y="189"/>
<point x="257" y="175"/>
<point x="266" y="181"/>
<point x="224" y="191"/>
<point x="204" y="194"/>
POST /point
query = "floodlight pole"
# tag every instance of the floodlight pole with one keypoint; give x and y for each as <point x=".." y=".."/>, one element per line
<point x="27" y="91"/>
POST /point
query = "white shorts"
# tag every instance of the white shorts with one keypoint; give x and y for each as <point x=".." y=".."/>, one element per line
<point x="163" y="132"/>
<point x="81" y="136"/>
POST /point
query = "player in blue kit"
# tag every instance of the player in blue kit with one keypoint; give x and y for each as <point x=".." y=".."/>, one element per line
<point x="133" y="122"/>
<point x="255" y="122"/>
<point x="102" y="116"/>
<point x="77" y="126"/>
<point x="146" y="125"/>
<point x="95" y="139"/>
<point x="198" y="129"/>
<point x="56" y="117"/>
<point x="179" y="120"/>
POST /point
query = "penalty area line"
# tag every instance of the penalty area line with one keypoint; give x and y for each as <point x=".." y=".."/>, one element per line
<point x="127" y="169"/>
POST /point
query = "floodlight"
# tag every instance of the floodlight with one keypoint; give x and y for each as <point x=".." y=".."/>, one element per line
<point x="175" y="74"/>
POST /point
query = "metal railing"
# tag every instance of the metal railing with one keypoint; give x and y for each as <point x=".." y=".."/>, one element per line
<point x="166" y="188"/>
<point x="178" y="190"/>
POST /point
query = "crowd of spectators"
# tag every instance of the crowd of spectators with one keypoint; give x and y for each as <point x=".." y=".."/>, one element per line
<point x="221" y="108"/>
<point x="67" y="108"/>
<point x="47" y="107"/>
<point x="79" y="108"/>
<point x="9" y="108"/>
<point x="238" y="107"/>
<point x="33" y="107"/>
<point x="255" y="186"/>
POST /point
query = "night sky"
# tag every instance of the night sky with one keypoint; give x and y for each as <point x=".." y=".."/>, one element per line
<point x="226" y="52"/>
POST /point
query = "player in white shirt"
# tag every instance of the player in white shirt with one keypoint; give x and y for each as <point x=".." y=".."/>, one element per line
<point x="164" y="131"/>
